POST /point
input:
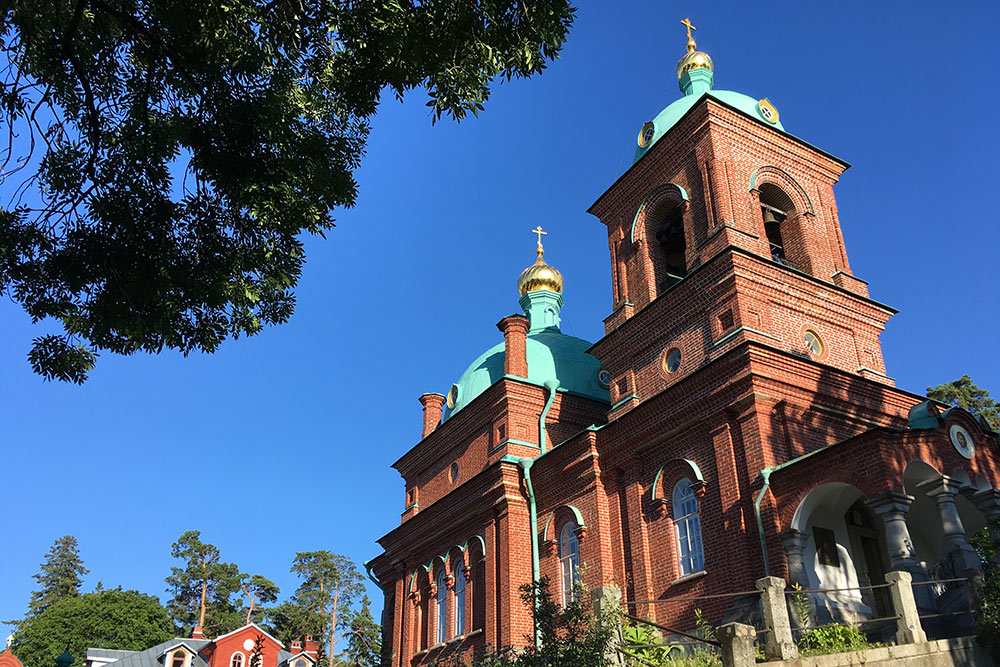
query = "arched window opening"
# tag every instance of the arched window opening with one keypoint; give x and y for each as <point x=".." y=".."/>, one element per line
<point x="459" y="598"/>
<point x="775" y="207"/>
<point x="442" y="607"/>
<point x="569" y="560"/>
<point x="670" y="240"/>
<point x="236" y="660"/>
<point x="301" y="662"/>
<point x="178" y="659"/>
<point x="688" y="526"/>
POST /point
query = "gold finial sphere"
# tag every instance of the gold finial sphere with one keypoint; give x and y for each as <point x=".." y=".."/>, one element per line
<point x="539" y="275"/>
<point x="693" y="59"/>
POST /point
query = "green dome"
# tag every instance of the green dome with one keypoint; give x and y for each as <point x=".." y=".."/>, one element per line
<point x="551" y="356"/>
<point x="667" y="118"/>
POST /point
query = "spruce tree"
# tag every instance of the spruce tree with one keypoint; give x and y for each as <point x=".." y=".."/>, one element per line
<point x="60" y="577"/>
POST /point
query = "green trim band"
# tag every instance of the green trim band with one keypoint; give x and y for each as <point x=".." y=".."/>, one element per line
<point x="738" y="330"/>
<point x="627" y="398"/>
<point x="512" y="441"/>
<point x="659" y="473"/>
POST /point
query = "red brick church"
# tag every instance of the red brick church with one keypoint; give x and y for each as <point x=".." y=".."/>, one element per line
<point x="736" y="420"/>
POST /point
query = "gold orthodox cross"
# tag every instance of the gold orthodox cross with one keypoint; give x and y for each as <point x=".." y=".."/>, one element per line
<point x="538" y="230"/>
<point x="690" y="27"/>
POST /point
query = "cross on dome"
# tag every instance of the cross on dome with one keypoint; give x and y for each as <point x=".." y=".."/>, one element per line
<point x="538" y="230"/>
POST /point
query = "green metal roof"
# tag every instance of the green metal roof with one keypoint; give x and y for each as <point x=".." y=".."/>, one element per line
<point x="695" y="85"/>
<point x="552" y="355"/>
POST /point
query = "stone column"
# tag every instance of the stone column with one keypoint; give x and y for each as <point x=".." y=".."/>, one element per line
<point x="908" y="630"/>
<point x="780" y="644"/>
<point x="607" y="609"/>
<point x="956" y="544"/>
<point x="988" y="502"/>
<point x="794" y="542"/>
<point x="892" y="507"/>
<point x="737" y="644"/>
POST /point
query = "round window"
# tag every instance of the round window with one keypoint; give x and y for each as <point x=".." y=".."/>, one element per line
<point x="454" y="471"/>
<point x="813" y="343"/>
<point x="646" y="134"/>
<point x="672" y="360"/>
<point x="453" y="396"/>
<point x="604" y="378"/>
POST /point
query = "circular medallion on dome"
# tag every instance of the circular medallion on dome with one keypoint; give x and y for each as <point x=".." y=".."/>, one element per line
<point x="672" y="360"/>
<point x="962" y="441"/>
<point x="604" y="378"/>
<point x="767" y="111"/>
<point x="646" y="134"/>
<point x="452" y="396"/>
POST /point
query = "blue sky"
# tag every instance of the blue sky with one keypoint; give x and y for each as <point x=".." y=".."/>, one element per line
<point x="283" y="442"/>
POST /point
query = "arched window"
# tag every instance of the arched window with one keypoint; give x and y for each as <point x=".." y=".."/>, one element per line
<point x="179" y="658"/>
<point x="442" y="607"/>
<point x="775" y="207"/>
<point x="689" y="550"/>
<point x="569" y="560"/>
<point x="236" y="660"/>
<point x="459" y="598"/>
<point x="301" y="662"/>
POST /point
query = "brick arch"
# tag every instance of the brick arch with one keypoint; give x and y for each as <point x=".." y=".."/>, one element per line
<point x="663" y="193"/>
<point x="667" y="476"/>
<point x="548" y="532"/>
<point x="784" y="181"/>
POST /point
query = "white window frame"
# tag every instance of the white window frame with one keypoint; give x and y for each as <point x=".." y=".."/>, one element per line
<point x="687" y="528"/>
<point x="459" y="598"/>
<point x="569" y="560"/>
<point x="442" y="606"/>
<point x="243" y="659"/>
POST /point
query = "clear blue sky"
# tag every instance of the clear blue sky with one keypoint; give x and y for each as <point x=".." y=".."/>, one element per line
<point x="283" y="442"/>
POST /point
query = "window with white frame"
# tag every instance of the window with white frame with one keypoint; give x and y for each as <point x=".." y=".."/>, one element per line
<point x="179" y="658"/>
<point x="569" y="560"/>
<point x="690" y="555"/>
<point x="442" y="607"/>
<point x="236" y="660"/>
<point x="459" y="598"/>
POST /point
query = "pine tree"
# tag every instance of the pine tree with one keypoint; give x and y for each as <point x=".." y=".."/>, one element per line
<point x="60" y="577"/>
<point x="204" y="588"/>
<point x="964" y="393"/>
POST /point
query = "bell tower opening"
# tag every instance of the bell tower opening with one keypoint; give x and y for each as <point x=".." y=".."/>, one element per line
<point x="671" y="244"/>
<point x="775" y="208"/>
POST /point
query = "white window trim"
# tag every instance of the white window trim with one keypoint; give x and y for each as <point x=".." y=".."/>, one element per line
<point x="687" y="520"/>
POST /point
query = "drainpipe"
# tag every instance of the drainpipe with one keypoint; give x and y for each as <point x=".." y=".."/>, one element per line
<point x="550" y="385"/>
<point x="368" y="571"/>
<point x="766" y="474"/>
<point x="526" y="464"/>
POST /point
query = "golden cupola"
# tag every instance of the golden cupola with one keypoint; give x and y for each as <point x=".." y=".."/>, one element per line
<point x="693" y="59"/>
<point x="540" y="275"/>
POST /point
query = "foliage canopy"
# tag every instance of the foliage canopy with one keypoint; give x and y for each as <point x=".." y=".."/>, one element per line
<point x="175" y="152"/>
<point x="964" y="393"/>
<point x="116" y="619"/>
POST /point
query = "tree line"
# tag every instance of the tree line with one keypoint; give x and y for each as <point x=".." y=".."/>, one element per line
<point x="330" y="604"/>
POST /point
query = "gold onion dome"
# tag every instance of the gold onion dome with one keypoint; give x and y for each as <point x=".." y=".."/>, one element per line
<point x="540" y="275"/>
<point x="693" y="59"/>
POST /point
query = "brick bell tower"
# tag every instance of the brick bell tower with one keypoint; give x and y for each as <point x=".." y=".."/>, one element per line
<point x="725" y="230"/>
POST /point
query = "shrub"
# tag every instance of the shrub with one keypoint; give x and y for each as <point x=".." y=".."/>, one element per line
<point x="833" y="639"/>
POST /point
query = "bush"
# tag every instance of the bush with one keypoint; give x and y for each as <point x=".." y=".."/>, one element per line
<point x="833" y="639"/>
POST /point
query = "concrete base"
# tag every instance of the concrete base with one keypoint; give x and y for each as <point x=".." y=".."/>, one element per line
<point x="960" y="652"/>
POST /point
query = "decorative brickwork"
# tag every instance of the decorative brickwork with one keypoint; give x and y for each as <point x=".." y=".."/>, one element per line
<point x="779" y="389"/>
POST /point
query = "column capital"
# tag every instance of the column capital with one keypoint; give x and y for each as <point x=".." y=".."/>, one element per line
<point x="890" y="502"/>
<point x="987" y="501"/>
<point x="793" y="539"/>
<point x="941" y="487"/>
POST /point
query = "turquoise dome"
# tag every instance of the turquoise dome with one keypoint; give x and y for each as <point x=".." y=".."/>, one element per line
<point x="552" y="355"/>
<point x="667" y="118"/>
